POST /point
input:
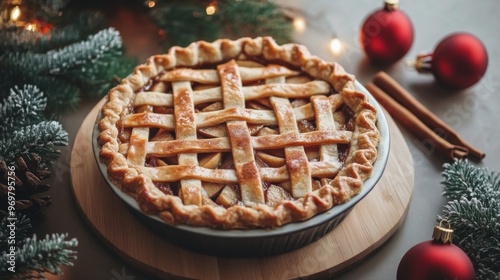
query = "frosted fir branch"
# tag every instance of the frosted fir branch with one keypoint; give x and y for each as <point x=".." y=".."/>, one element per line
<point x="22" y="107"/>
<point x="473" y="217"/>
<point x="105" y="42"/>
<point x="37" y="257"/>
<point x="23" y="225"/>
<point x="34" y="139"/>
<point x="474" y="214"/>
<point x="463" y="179"/>
<point x="57" y="62"/>
<point x="477" y="233"/>
<point x="64" y="73"/>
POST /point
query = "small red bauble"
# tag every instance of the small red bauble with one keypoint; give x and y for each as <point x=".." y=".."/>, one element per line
<point x="387" y="34"/>
<point x="437" y="259"/>
<point x="458" y="61"/>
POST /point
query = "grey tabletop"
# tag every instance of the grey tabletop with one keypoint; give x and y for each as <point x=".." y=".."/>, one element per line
<point x="472" y="112"/>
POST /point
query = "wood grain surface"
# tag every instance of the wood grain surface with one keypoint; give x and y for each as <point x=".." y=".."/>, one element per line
<point x="372" y="221"/>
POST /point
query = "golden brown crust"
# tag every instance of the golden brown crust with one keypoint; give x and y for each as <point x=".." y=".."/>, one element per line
<point x="348" y="182"/>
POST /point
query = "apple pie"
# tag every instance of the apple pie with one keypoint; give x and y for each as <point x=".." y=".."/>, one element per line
<point x="238" y="134"/>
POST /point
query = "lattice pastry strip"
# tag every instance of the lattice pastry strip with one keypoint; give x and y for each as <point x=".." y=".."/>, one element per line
<point x="212" y="76"/>
<point x="208" y="119"/>
<point x="239" y="136"/>
<point x="222" y="144"/>
<point x="137" y="149"/>
<point x="214" y="94"/>
<point x="185" y="129"/>
<point x="325" y="122"/>
<point x="295" y="156"/>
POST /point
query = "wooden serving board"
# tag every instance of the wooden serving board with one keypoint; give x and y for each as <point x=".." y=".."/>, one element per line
<point x="372" y="221"/>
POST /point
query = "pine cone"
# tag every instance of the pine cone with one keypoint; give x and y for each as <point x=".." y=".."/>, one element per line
<point x="27" y="180"/>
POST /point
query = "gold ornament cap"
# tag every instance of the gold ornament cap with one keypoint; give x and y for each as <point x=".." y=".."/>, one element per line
<point x="391" y="5"/>
<point x="443" y="234"/>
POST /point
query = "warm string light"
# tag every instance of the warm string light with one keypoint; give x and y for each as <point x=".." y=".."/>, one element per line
<point x="336" y="46"/>
<point x="211" y="8"/>
<point x="151" y="4"/>
<point x="15" y="14"/>
<point x="17" y="19"/>
<point x="31" y="27"/>
<point x="299" y="23"/>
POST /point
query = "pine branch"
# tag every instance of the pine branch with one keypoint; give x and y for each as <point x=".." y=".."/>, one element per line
<point x="463" y="179"/>
<point x="67" y="60"/>
<point x="186" y="21"/>
<point x="22" y="226"/>
<point x="255" y="18"/>
<point x="34" y="139"/>
<point x="62" y="73"/>
<point x="106" y="74"/>
<point x="474" y="213"/>
<point x="37" y="257"/>
<point x="23" y="107"/>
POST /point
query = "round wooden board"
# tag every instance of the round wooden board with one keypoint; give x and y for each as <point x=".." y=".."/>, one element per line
<point x="369" y="225"/>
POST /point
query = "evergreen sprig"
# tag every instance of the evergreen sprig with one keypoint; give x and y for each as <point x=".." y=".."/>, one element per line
<point x="22" y="227"/>
<point x="65" y="72"/>
<point x="36" y="257"/>
<point x="22" y="107"/>
<point x="33" y="257"/>
<point x="187" y="21"/>
<point x="474" y="213"/>
<point x="25" y="130"/>
<point x="34" y="139"/>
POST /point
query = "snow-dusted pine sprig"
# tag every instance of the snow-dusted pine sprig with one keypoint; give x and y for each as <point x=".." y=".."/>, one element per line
<point x="474" y="213"/>
<point x="25" y="131"/>
<point x="22" y="226"/>
<point x="37" y="257"/>
<point x="22" y="107"/>
<point x="90" y="66"/>
<point x="69" y="58"/>
<point x="37" y="139"/>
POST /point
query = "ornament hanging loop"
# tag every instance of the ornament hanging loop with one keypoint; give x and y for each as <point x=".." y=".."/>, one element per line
<point x="443" y="234"/>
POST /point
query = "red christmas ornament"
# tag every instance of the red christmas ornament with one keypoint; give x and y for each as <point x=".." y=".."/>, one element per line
<point x="458" y="61"/>
<point x="387" y="34"/>
<point x="437" y="259"/>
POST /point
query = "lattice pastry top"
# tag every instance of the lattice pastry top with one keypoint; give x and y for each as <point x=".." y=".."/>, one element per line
<point x="238" y="134"/>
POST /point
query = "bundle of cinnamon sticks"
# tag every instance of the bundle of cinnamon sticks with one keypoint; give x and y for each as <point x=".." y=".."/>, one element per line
<point x="426" y="126"/>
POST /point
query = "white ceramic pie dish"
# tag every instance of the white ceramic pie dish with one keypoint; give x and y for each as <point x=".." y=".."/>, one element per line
<point x="257" y="242"/>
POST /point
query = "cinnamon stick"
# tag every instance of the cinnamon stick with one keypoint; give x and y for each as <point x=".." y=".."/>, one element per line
<point x="413" y="124"/>
<point x="400" y="94"/>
